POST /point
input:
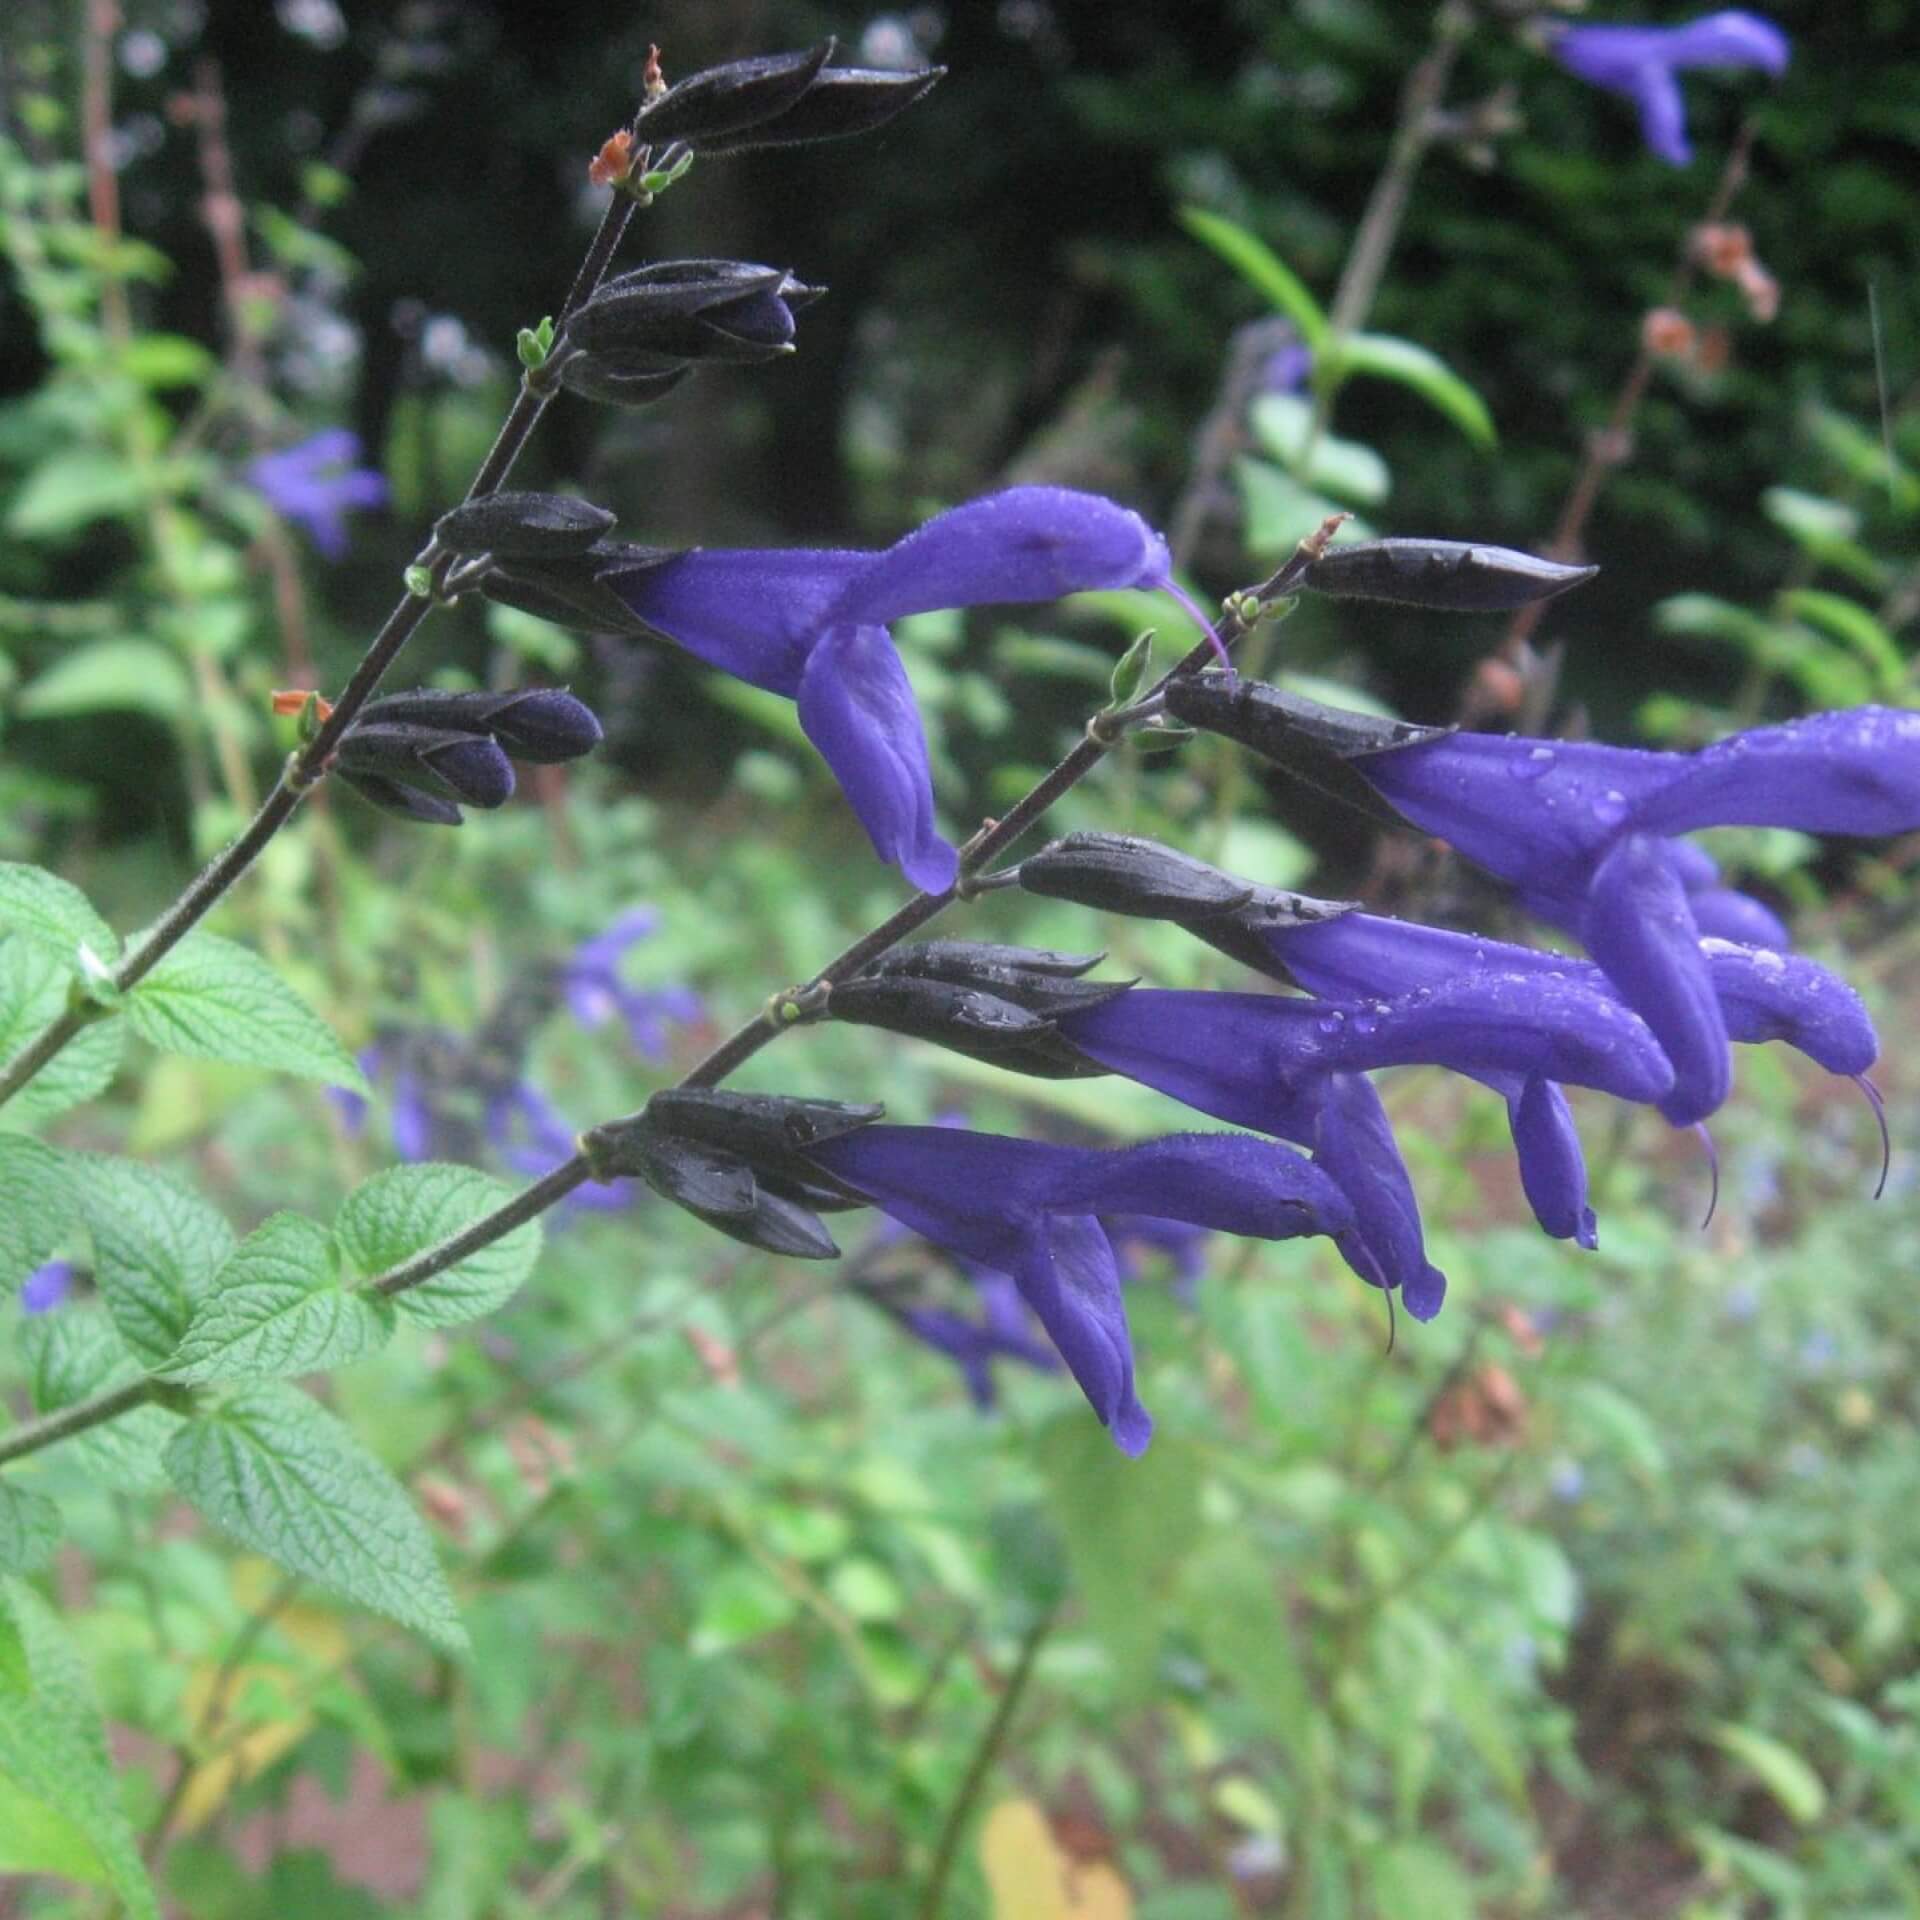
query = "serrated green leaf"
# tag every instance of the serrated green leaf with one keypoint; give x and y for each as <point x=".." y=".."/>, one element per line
<point x="277" y="1309"/>
<point x="1283" y="424"/>
<point x="73" y="1355"/>
<point x="133" y="676"/>
<point x="286" y="1478"/>
<point x="33" y="993"/>
<point x="29" y="1529"/>
<point x="36" y="1206"/>
<point x="156" y="1247"/>
<point x="213" y="999"/>
<point x="53" y="1746"/>
<point x="52" y="913"/>
<point x="1425" y="373"/>
<point x="1778" y="1768"/>
<point x="406" y="1210"/>
<point x="1260" y="266"/>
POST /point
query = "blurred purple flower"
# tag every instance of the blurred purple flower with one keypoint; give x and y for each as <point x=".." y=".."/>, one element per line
<point x="1287" y="368"/>
<point x="813" y="624"/>
<point x="531" y="1137"/>
<point x="46" y="1287"/>
<point x="1640" y="63"/>
<point x="1136" y="1236"/>
<point x="594" y="992"/>
<point x="316" y="483"/>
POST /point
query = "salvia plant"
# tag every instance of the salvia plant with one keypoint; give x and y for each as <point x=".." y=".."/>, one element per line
<point x="189" y="1352"/>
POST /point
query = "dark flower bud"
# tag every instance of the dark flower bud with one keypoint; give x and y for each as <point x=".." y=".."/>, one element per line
<point x="542" y="724"/>
<point x="618" y="379"/>
<point x="470" y="768"/>
<point x="408" y="802"/>
<point x="1125" y="874"/>
<point x="1245" y="933"/>
<point x="1310" y="741"/>
<point x="842" y="102"/>
<point x="730" y="99"/>
<point x="1006" y="972"/>
<point x="721" y="1189"/>
<point x="961" y="1019"/>
<point x="1449" y="576"/>
<point x="530" y="525"/>
<point x="571" y="590"/>
<point x="680" y="310"/>
<point x="769" y="1130"/>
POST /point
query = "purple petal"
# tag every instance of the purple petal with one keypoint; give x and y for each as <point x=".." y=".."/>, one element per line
<point x="1723" y="913"/>
<point x="47" y="1286"/>
<point x="604" y="951"/>
<point x="1355" y="1146"/>
<point x="1856" y="772"/>
<point x="1068" y="1276"/>
<point x="1729" y="39"/>
<point x="412" y="1118"/>
<point x="1766" y="995"/>
<point x="1553" y="1170"/>
<point x="1531" y="811"/>
<point x="1640" y="929"/>
<point x="752" y="614"/>
<point x="857" y="707"/>
<point x="1026" y="544"/>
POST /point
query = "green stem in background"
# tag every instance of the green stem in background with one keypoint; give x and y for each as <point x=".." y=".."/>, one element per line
<point x="306" y="768"/>
<point x="947" y="1849"/>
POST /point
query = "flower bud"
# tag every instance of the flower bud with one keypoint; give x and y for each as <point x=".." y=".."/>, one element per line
<point x="963" y="1020"/>
<point x="769" y="1130"/>
<point x="618" y="379"/>
<point x="1307" y="740"/>
<point x="568" y="589"/>
<point x="730" y="99"/>
<point x="1008" y="973"/>
<point x="1125" y="874"/>
<point x="522" y="525"/>
<point x="1446" y="576"/>
<point x="679" y="310"/>
<point x="409" y="803"/>
<point x="842" y="102"/>
<point x="721" y="1189"/>
<point x="470" y="768"/>
<point x="543" y="725"/>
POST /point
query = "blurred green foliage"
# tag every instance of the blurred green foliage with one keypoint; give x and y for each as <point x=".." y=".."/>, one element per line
<point x="1593" y="1598"/>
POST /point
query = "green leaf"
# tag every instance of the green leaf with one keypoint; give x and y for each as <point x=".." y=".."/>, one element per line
<point x="1826" y="530"/>
<point x="14" y="1679"/>
<point x="156" y="1247"/>
<point x="53" y="1746"/>
<point x="405" y="1211"/>
<point x="52" y="913"/>
<point x="1130" y="670"/>
<point x="34" y="1838"/>
<point x="212" y="999"/>
<point x="33" y="993"/>
<point x="73" y="1355"/>
<point x="1279" y="511"/>
<point x="286" y="1478"/>
<point x="1777" y="1767"/>
<point x="136" y="676"/>
<point x="1418" y="1880"/>
<point x="1129" y="1526"/>
<point x="163" y="361"/>
<point x="1608" y="1417"/>
<point x="1412" y="365"/>
<point x="1283" y="424"/>
<point x="277" y="1309"/>
<point x="29" y="1529"/>
<point x="1853" y="626"/>
<point x="1256" y="262"/>
<point x="36" y="1206"/>
<point x="73" y="489"/>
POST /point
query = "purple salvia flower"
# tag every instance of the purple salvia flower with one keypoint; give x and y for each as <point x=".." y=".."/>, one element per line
<point x="317" y="483"/>
<point x="813" y="625"/>
<point x="1593" y="826"/>
<point x="1030" y="1209"/>
<point x="47" y="1286"/>
<point x="1640" y="63"/>
<point x="595" y="993"/>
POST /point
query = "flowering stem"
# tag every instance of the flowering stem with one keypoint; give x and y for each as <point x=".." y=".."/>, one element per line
<point x="309" y="766"/>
